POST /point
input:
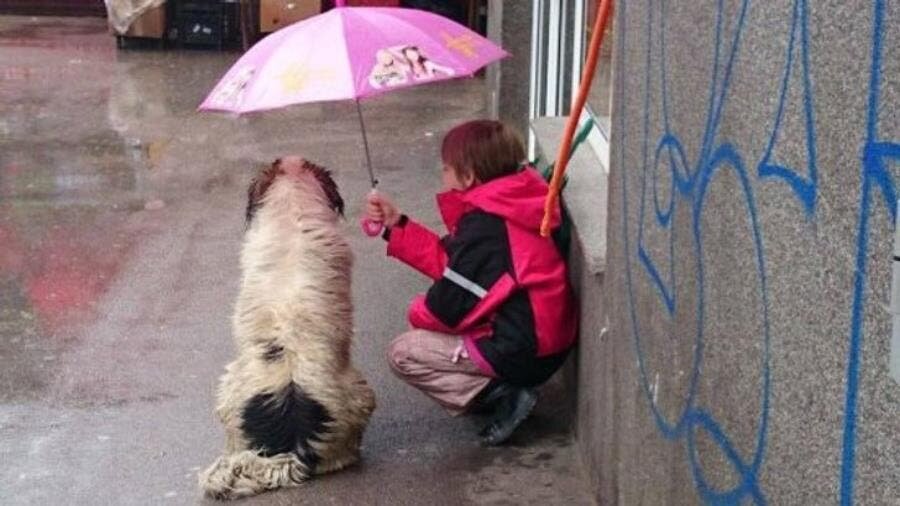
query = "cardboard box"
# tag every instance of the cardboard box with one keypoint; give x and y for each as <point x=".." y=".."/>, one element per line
<point x="151" y="24"/>
<point x="275" y="14"/>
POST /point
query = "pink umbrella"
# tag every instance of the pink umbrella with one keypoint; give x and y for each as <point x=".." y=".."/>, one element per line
<point x="350" y="53"/>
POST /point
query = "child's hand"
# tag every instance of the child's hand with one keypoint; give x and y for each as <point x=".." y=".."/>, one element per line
<point x="379" y="208"/>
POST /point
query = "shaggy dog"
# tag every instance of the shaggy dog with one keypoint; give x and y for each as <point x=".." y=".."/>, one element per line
<point x="292" y="403"/>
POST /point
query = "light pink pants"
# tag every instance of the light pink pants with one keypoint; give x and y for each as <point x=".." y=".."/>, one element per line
<point x="424" y="359"/>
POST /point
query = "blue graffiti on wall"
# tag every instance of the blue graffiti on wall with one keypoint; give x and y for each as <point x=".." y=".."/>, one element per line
<point x="876" y="156"/>
<point x="689" y="186"/>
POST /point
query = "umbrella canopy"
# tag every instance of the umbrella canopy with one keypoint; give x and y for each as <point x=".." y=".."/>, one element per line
<point x="350" y="53"/>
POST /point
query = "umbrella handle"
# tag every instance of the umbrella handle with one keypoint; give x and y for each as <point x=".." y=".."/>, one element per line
<point x="371" y="228"/>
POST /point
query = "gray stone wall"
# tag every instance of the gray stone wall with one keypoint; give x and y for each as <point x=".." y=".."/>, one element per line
<point x="735" y="351"/>
<point x="509" y="24"/>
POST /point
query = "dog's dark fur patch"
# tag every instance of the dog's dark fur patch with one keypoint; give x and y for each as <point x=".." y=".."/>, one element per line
<point x="267" y="175"/>
<point x="260" y="185"/>
<point x="330" y="188"/>
<point x="273" y="352"/>
<point x="285" y="422"/>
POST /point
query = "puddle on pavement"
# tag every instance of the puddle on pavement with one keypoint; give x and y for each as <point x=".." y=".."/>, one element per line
<point x="56" y="262"/>
<point x="67" y="227"/>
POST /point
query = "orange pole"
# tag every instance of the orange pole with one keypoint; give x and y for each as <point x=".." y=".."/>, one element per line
<point x="562" y="156"/>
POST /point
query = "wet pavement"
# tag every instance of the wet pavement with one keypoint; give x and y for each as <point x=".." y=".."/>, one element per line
<point x="120" y="225"/>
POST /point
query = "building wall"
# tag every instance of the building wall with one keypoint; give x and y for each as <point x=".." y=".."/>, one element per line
<point x="509" y="24"/>
<point x="735" y="350"/>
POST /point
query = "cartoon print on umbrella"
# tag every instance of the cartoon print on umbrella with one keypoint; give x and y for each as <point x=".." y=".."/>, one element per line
<point x="423" y="68"/>
<point x="391" y="69"/>
<point x="394" y="64"/>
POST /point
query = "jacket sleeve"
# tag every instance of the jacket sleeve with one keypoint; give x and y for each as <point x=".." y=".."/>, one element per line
<point x="417" y="246"/>
<point x="474" y="282"/>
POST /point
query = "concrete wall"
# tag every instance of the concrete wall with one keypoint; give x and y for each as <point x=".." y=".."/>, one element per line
<point x="735" y="351"/>
<point x="509" y="24"/>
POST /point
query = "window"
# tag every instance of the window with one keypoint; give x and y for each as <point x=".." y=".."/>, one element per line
<point x="600" y="95"/>
<point x="561" y="32"/>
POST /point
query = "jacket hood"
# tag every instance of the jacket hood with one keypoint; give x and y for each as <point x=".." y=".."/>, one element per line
<point x="517" y="198"/>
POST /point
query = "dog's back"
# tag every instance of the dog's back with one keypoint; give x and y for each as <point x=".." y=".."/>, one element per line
<point x="296" y="278"/>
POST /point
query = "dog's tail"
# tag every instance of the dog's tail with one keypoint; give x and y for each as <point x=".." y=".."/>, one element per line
<point x="282" y="429"/>
<point x="248" y="473"/>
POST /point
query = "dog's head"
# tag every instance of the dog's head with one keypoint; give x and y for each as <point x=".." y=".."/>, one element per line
<point x="301" y="172"/>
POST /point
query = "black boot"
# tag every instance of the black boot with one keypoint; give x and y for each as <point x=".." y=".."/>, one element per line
<point x="514" y="409"/>
<point x="493" y="396"/>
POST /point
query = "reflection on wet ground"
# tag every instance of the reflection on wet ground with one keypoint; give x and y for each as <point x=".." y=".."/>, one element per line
<point x="86" y="152"/>
<point x="69" y="182"/>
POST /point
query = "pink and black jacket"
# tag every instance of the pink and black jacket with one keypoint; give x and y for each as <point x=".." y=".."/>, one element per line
<point x="497" y="282"/>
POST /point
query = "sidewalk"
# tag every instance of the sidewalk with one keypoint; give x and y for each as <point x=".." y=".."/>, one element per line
<point x="120" y="223"/>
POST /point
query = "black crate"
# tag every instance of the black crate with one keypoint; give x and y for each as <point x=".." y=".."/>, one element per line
<point x="206" y="22"/>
